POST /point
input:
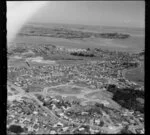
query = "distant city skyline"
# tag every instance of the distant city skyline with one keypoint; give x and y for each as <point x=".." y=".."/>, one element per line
<point x="102" y="13"/>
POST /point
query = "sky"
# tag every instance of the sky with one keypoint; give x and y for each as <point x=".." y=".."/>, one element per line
<point x="19" y="13"/>
<point x="102" y="13"/>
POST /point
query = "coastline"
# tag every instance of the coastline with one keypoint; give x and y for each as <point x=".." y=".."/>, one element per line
<point x="129" y="70"/>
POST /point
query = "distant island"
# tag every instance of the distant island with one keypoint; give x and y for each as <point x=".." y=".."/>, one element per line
<point x="68" y="33"/>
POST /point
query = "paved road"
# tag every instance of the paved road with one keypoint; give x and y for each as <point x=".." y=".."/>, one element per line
<point x="32" y="96"/>
<point x="53" y="116"/>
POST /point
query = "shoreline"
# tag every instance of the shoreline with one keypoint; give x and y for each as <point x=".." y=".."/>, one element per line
<point x="129" y="70"/>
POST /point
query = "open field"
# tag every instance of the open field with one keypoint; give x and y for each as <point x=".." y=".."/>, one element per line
<point x="66" y="90"/>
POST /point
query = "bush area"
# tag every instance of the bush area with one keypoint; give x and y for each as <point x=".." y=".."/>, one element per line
<point x="20" y="50"/>
<point x="127" y="98"/>
<point x="16" y="129"/>
<point x="82" y="54"/>
<point x="128" y="65"/>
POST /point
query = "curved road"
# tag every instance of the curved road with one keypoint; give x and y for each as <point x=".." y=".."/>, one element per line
<point x="55" y="118"/>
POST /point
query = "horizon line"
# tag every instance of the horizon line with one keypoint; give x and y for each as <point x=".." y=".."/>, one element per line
<point x="32" y="22"/>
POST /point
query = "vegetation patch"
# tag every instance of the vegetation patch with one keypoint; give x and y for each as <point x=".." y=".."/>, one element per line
<point x="128" y="98"/>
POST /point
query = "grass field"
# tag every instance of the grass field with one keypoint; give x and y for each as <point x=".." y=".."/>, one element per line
<point x="66" y="90"/>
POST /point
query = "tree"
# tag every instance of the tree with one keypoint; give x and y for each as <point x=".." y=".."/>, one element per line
<point x="27" y="90"/>
<point x="88" y="49"/>
<point x="16" y="129"/>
